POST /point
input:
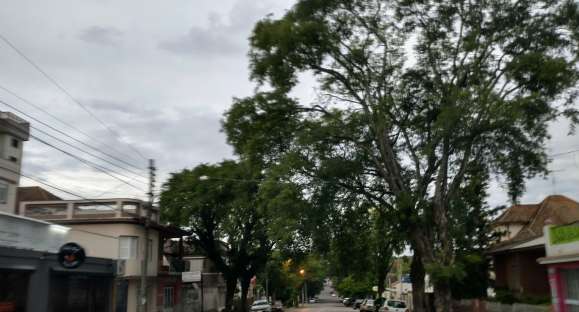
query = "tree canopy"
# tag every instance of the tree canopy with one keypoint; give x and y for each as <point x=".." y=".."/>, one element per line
<point x="411" y="95"/>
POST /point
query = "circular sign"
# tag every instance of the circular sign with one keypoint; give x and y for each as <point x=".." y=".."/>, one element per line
<point x="71" y="255"/>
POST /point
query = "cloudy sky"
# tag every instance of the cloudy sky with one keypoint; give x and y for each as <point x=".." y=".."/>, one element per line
<point x="160" y="74"/>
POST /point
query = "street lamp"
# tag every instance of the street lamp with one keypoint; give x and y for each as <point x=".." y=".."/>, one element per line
<point x="305" y="296"/>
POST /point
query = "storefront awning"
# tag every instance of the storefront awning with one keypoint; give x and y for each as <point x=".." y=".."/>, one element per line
<point x="559" y="259"/>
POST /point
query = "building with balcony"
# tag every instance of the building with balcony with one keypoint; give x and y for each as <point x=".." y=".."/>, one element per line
<point x="133" y="232"/>
<point x="13" y="132"/>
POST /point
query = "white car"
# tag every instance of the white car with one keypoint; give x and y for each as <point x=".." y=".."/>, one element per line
<point x="394" y="306"/>
<point x="261" y="306"/>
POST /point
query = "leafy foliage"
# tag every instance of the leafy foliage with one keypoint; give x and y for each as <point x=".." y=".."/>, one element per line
<point x="412" y="94"/>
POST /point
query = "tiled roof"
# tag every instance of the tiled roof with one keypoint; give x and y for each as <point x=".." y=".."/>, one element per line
<point x="558" y="209"/>
<point x="35" y="193"/>
<point x="518" y="214"/>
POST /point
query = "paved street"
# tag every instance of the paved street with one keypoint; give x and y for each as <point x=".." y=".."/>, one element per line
<point x="327" y="304"/>
<point x="323" y="307"/>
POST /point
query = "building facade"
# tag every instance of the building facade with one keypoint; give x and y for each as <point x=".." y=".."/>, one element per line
<point x="34" y="280"/>
<point x="562" y="262"/>
<point x="13" y="132"/>
<point x="522" y="243"/>
<point x="131" y="236"/>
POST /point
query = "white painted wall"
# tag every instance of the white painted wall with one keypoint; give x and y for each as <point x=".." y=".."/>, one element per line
<point x="114" y="230"/>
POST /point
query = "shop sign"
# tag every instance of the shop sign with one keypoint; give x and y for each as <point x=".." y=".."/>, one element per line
<point x="25" y="233"/>
<point x="564" y="234"/>
<point x="71" y="255"/>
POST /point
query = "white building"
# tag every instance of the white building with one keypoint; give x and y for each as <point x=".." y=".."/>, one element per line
<point x="13" y="132"/>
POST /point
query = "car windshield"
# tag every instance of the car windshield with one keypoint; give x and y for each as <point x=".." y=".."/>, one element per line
<point x="396" y="304"/>
<point x="260" y="302"/>
<point x="370" y="302"/>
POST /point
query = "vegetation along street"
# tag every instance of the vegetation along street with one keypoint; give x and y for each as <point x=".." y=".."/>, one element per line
<point x="313" y="156"/>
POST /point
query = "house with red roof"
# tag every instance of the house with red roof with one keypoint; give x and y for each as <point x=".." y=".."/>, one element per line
<point x="522" y="243"/>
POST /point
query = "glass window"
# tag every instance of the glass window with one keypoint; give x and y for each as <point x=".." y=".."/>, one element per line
<point x="3" y="192"/>
<point x="571" y="277"/>
<point x="15" y="143"/>
<point x="128" y="247"/>
<point x="168" y="297"/>
<point x="150" y="247"/>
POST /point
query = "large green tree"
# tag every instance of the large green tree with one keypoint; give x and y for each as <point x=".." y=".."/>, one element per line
<point x="412" y="93"/>
<point x="220" y="204"/>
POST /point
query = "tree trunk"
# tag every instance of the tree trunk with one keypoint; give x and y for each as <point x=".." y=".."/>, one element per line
<point x="419" y="299"/>
<point x="443" y="297"/>
<point x="381" y="278"/>
<point x="245" y="281"/>
<point x="230" y="284"/>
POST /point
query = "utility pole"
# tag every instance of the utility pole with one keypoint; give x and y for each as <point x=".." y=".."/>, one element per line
<point x="142" y="304"/>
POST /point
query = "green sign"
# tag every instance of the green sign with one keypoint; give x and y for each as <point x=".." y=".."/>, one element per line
<point x="564" y="234"/>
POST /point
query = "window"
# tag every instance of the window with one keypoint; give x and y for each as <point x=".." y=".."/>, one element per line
<point x="3" y="192"/>
<point x="13" y="159"/>
<point x="128" y="247"/>
<point x="150" y="247"/>
<point x="168" y="297"/>
<point x="15" y="143"/>
<point x="571" y="277"/>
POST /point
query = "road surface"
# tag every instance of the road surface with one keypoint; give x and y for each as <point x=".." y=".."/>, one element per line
<point x="327" y="303"/>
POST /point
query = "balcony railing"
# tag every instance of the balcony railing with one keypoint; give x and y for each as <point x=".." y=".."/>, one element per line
<point x="87" y="209"/>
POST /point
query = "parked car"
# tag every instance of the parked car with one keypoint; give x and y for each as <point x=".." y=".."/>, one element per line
<point x="394" y="306"/>
<point x="277" y="306"/>
<point x="261" y="306"/>
<point x="367" y="306"/>
<point x="347" y="302"/>
<point x="357" y="303"/>
<point x="312" y="300"/>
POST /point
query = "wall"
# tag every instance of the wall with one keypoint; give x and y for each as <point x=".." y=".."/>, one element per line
<point x="95" y="244"/>
<point x="521" y="273"/>
<point x="509" y="231"/>
<point x="133" y="266"/>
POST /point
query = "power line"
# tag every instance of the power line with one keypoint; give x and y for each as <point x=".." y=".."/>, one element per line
<point x="68" y="94"/>
<point x="43" y="182"/>
<point x="564" y="153"/>
<point x="65" y="134"/>
<point x="39" y="107"/>
<point x="88" y="163"/>
<point x="93" y="155"/>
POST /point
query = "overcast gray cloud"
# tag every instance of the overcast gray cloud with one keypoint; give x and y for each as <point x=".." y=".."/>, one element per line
<point x="101" y="35"/>
<point x="224" y="34"/>
<point x="161" y="76"/>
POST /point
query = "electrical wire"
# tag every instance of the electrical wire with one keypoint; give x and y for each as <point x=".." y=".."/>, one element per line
<point x="91" y="154"/>
<point x="68" y="94"/>
<point x="40" y="108"/>
<point x="56" y="187"/>
<point x="63" y="133"/>
<point x="87" y="162"/>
